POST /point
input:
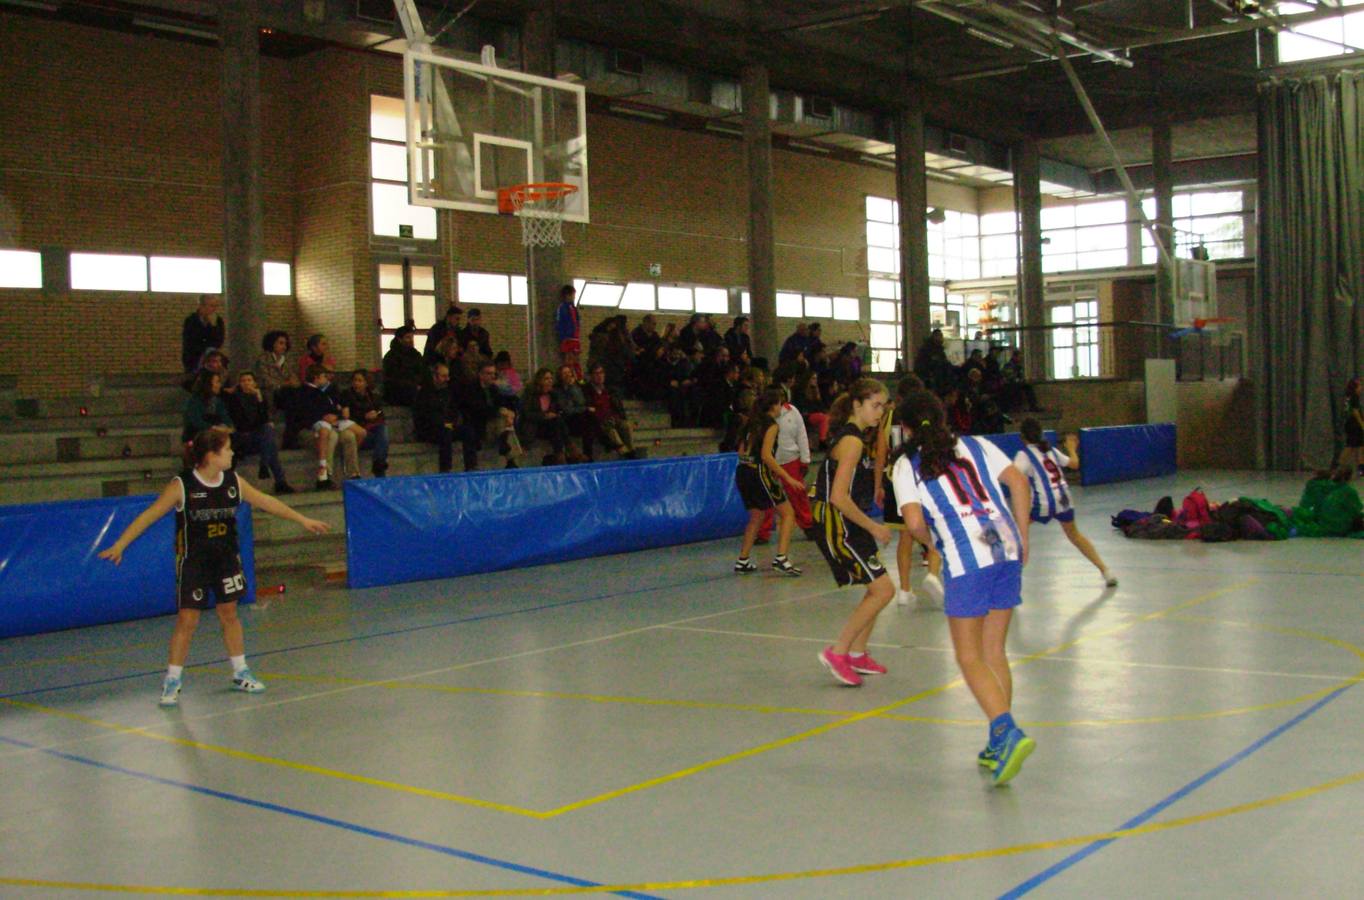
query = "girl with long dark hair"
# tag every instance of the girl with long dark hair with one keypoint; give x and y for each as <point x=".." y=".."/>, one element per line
<point x="1043" y="464"/>
<point x="951" y="492"/>
<point x="205" y="497"/>
<point x="847" y="536"/>
<point x="760" y="482"/>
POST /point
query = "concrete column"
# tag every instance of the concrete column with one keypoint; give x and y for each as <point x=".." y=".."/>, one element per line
<point x="1031" y="293"/>
<point x="761" y="243"/>
<point x="544" y="265"/>
<point x="911" y="189"/>
<point x="1163" y="175"/>
<point x="243" y="210"/>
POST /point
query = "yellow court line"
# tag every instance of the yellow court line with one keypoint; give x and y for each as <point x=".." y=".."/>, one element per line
<point x="276" y="761"/>
<point x="644" y="785"/>
<point x="730" y="881"/>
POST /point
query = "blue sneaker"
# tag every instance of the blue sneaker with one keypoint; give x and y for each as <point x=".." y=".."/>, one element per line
<point x="1017" y="747"/>
<point x="245" y="681"/>
<point x="170" y="692"/>
<point x="988" y="758"/>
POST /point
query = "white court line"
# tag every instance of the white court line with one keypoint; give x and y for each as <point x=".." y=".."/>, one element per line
<point x="1079" y="659"/>
<point x="163" y="723"/>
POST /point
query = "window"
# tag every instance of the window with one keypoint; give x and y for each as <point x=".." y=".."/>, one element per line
<point x="998" y="245"/>
<point x="711" y="300"/>
<point x="492" y="289"/>
<point x="1214" y="219"/>
<point x="183" y="275"/>
<point x="1334" y="36"/>
<point x="1074" y="350"/>
<point x="638" y="295"/>
<point x="1090" y="235"/>
<point x="407" y="293"/>
<point x="847" y="309"/>
<point x="389" y="208"/>
<point x="21" y="269"/>
<point x="277" y="278"/>
<point x="790" y="306"/>
<point x="108" y="272"/>
<point x="954" y="246"/>
<point x="674" y="299"/>
<point x="599" y="293"/>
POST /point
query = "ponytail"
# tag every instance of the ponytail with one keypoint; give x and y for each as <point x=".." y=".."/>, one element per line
<point x="925" y="425"/>
<point x="1031" y="430"/>
<point x="860" y="390"/>
<point x="758" y="419"/>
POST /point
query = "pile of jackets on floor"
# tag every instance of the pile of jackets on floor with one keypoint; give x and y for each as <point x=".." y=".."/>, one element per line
<point x="1329" y="507"/>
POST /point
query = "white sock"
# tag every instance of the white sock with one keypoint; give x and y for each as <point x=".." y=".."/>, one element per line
<point x="238" y="663"/>
<point x="174" y="671"/>
<point x="855" y="655"/>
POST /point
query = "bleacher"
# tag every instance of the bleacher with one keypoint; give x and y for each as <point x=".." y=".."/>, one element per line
<point x="123" y="438"/>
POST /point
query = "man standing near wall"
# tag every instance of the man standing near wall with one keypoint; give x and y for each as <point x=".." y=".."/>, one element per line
<point x="203" y="330"/>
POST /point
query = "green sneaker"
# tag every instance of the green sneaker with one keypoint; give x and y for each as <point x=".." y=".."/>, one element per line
<point x="988" y="758"/>
<point x="1017" y="747"/>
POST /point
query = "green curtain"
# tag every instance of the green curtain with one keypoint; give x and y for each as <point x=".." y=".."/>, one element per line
<point x="1308" y="326"/>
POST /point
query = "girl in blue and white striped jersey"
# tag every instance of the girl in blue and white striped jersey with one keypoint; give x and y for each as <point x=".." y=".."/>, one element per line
<point x="951" y="493"/>
<point x="1043" y="464"/>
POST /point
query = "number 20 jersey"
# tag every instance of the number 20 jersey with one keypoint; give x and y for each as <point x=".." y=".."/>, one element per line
<point x="206" y="523"/>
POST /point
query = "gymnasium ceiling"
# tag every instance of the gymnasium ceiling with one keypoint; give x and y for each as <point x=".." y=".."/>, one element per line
<point x="988" y="65"/>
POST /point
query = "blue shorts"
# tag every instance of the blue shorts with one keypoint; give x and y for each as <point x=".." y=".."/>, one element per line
<point x="974" y="594"/>
<point x="1067" y="516"/>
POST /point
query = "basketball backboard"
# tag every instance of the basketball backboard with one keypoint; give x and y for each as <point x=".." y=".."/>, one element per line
<point x="474" y="128"/>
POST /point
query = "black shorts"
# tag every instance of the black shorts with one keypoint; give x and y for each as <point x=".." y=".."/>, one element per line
<point x="199" y="579"/>
<point x="849" y="549"/>
<point x="757" y="491"/>
<point x="890" y="511"/>
<point x="1354" y="433"/>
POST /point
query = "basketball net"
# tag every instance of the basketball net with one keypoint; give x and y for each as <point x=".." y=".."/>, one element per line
<point x="540" y="207"/>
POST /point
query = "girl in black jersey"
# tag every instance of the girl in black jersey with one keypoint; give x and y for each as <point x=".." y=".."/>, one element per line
<point x="205" y="497"/>
<point x="847" y="536"/>
<point x="760" y="481"/>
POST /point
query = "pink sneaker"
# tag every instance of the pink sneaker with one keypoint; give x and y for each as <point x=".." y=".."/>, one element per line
<point x="866" y="665"/>
<point x="840" y="667"/>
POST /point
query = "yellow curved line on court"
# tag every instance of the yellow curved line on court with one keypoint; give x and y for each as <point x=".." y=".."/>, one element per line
<point x="276" y="761"/>
<point x="730" y="881"/>
<point x="749" y="753"/>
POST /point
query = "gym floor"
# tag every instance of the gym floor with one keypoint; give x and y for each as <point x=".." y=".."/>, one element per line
<point x="653" y="725"/>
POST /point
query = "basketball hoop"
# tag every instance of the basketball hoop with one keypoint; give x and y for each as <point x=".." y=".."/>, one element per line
<point x="540" y="207"/>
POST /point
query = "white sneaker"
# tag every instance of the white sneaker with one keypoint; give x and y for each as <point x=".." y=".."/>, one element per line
<point x="170" y="692"/>
<point x="1110" y="579"/>
<point x="904" y="598"/>
<point x="245" y="681"/>
<point x="932" y="589"/>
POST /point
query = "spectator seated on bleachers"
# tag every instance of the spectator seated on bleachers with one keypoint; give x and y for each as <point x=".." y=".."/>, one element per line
<point x="508" y="382"/>
<point x="475" y="332"/>
<point x="645" y="337"/>
<point x="681" y="388"/>
<point x="607" y="424"/>
<point x="932" y="365"/>
<point x="254" y="434"/>
<point x="205" y="407"/>
<point x="449" y="326"/>
<point x="433" y="415"/>
<point x="738" y="342"/>
<point x="482" y="417"/>
<point x="321" y="416"/>
<point x="212" y="361"/>
<point x="404" y="369"/>
<point x="276" y="378"/>
<point x="1017" y="391"/>
<point x="610" y="345"/>
<point x="717" y="384"/>
<point x="541" y="419"/>
<point x="361" y="405"/>
<point x="568" y="397"/>
<point x="202" y="331"/>
<point x="317" y="353"/>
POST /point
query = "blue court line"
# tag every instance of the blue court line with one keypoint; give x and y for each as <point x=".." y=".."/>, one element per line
<point x="1047" y="874"/>
<point x="465" y="855"/>
<point x="366" y="637"/>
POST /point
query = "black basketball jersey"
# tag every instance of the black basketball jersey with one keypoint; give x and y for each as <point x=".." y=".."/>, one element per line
<point x="863" y="488"/>
<point x="207" y="523"/>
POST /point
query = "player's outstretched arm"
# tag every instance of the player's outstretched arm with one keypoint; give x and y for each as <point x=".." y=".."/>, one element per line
<point x="275" y="507"/>
<point x="1072" y="442"/>
<point x="169" y="499"/>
